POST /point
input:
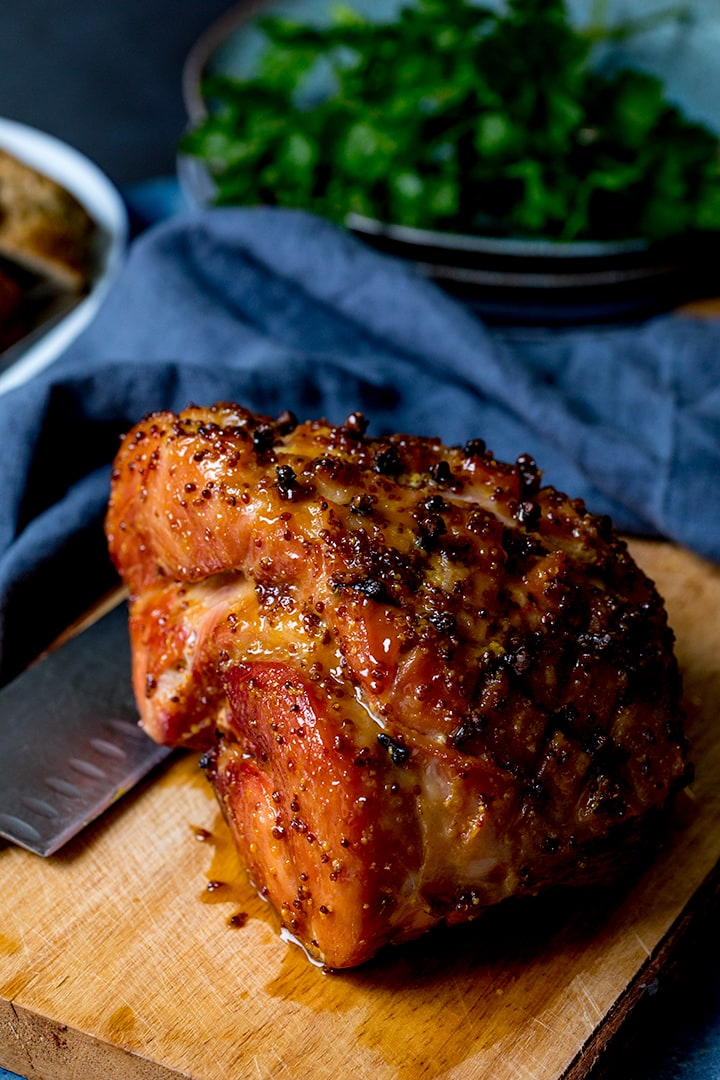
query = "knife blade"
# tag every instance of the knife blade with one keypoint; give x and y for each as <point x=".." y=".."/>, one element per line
<point x="70" y="744"/>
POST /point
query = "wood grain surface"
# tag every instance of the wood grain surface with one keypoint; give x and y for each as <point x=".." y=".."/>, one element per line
<point x="140" y="951"/>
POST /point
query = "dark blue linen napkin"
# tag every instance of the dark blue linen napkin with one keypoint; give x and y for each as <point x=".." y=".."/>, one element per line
<point x="278" y="309"/>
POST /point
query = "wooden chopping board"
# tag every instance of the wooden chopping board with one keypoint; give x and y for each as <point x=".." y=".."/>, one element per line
<point x="141" y="952"/>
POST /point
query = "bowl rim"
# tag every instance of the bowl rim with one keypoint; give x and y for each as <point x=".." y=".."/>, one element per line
<point x="103" y="202"/>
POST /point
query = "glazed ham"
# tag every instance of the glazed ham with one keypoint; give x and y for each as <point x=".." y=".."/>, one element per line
<point x="423" y="681"/>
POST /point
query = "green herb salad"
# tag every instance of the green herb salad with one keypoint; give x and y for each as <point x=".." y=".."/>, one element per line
<point x="460" y="118"/>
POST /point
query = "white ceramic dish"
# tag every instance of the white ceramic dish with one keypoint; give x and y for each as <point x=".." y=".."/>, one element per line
<point x="103" y="202"/>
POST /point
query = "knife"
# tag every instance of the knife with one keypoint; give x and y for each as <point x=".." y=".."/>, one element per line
<point x="70" y="744"/>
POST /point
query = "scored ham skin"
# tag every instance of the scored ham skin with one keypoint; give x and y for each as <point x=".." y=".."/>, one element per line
<point x="424" y="681"/>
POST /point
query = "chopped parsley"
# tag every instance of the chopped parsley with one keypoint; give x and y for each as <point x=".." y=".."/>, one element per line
<point x="460" y="118"/>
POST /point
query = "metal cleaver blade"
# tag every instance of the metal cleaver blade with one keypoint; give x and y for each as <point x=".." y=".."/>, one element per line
<point x="70" y="744"/>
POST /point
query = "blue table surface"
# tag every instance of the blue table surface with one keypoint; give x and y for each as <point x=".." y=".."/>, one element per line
<point x="674" y="1033"/>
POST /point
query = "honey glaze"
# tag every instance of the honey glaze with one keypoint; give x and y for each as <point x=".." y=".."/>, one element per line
<point x="227" y="881"/>
<point x="121" y="1025"/>
<point x="474" y="974"/>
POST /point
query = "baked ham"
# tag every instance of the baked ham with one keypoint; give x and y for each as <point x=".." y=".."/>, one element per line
<point x="423" y="681"/>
